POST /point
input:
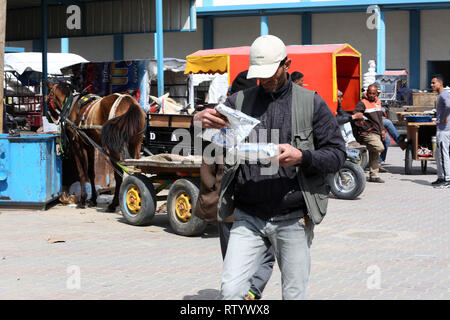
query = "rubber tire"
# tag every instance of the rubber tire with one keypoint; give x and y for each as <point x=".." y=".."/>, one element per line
<point x="358" y="176"/>
<point x="408" y="159"/>
<point x="148" y="199"/>
<point x="194" y="226"/>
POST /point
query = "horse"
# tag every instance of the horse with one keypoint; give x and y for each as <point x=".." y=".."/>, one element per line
<point x="115" y="122"/>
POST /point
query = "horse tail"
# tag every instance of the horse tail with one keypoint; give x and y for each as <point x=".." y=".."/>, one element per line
<point x="117" y="132"/>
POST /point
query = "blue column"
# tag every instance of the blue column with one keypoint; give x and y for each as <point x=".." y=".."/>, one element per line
<point x="208" y="33"/>
<point x="381" y="43"/>
<point x="118" y="47"/>
<point x="264" y="25"/>
<point x="192" y="16"/>
<point x="64" y="45"/>
<point x="306" y="28"/>
<point x="414" y="49"/>
<point x="155" y="46"/>
<point x="44" y="54"/>
<point x="160" y="48"/>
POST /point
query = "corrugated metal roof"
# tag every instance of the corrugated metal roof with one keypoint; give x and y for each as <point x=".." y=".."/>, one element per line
<point x="98" y="18"/>
<point x="17" y="4"/>
<point x="13" y="4"/>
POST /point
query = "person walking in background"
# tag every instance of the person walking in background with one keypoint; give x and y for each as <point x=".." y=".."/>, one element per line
<point x="371" y="131"/>
<point x="442" y="133"/>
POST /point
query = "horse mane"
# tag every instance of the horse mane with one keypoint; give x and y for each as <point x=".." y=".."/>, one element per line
<point x="65" y="87"/>
<point x="117" y="132"/>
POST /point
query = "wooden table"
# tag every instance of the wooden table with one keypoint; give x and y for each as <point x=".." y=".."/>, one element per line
<point x="418" y="134"/>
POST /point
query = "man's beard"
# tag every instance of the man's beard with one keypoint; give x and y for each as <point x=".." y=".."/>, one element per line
<point x="273" y="89"/>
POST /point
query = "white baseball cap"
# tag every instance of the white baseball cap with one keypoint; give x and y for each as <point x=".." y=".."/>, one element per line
<point x="266" y="53"/>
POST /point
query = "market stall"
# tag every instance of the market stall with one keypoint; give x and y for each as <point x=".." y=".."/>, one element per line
<point x="138" y="77"/>
<point x="22" y="83"/>
<point x="326" y="68"/>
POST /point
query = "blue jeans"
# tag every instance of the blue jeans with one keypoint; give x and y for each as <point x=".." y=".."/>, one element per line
<point x="389" y="126"/>
<point x="250" y="238"/>
<point x="443" y="154"/>
<point x="259" y="280"/>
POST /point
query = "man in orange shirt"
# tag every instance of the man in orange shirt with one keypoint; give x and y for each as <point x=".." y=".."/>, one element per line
<point x="371" y="131"/>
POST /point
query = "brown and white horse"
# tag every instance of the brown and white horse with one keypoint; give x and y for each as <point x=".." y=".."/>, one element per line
<point x="116" y="122"/>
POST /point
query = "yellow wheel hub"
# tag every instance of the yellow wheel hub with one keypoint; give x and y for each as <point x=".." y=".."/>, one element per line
<point x="134" y="200"/>
<point x="183" y="207"/>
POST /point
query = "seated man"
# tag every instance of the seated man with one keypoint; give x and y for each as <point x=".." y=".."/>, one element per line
<point x="344" y="119"/>
<point x="371" y="131"/>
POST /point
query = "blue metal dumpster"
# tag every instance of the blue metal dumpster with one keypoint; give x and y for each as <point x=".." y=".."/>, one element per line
<point x="30" y="170"/>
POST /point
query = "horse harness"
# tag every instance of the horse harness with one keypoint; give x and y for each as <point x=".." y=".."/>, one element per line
<point x="93" y="102"/>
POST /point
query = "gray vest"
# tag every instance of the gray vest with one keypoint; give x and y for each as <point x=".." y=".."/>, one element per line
<point x="314" y="187"/>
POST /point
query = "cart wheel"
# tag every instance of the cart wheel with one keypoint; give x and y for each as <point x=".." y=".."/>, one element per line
<point x="137" y="198"/>
<point x="349" y="182"/>
<point x="181" y="201"/>
<point x="423" y="166"/>
<point x="408" y="159"/>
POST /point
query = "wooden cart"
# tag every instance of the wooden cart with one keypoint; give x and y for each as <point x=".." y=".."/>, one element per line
<point x="418" y="134"/>
<point x="138" y="195"/>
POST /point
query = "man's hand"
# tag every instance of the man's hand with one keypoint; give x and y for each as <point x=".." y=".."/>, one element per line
<point x="210" y="118"/>
<point x="383" y="135"/>
<point x="357" y="116"/>
<point x="289" y="156"/>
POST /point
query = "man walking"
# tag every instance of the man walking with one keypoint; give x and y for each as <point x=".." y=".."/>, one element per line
<point x="206" y="207"/>
<point x="442" y="133"/>
<point x="370" y="130"/>
<point x="280" y="209"/>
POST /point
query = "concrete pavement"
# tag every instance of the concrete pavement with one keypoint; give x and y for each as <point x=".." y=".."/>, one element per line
<point x="391" y="243"/>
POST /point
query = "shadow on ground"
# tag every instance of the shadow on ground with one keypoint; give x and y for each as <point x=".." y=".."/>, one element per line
<point x="205" y="294"/>
<point x="161" y="220"/>
<point x="416" y="169"/>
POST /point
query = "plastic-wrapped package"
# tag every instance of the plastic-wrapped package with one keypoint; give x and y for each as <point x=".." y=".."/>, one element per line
<point x="256" y="151"/>
<point x="231" y="137"/>
<point x="240" y="127"/>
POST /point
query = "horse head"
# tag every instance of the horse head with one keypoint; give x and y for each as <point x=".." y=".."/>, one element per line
<point x="57" y="94"/>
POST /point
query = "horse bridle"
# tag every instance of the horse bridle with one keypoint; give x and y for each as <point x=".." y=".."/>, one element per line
<point x="66" y="106"/>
